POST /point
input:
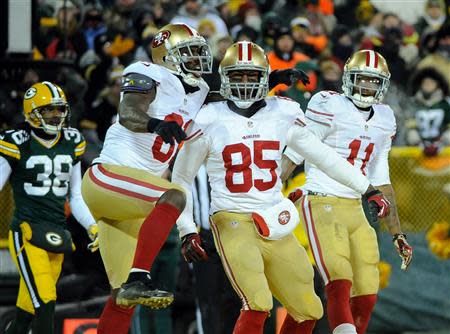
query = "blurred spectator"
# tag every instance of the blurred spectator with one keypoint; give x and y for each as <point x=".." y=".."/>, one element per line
<point x="433" y="17"/>
<point x="192" y="11"/>
<point x="331" y="75"/>
<point x="207" y="29"/>
<point x="342" y="44"/>
<point x="118" y="17"/>
<point x="246" y="34"/>
<point x="284" y="55"/>
<point x="249" y="15"/>
<point x="93" y="24"/>
<point x="142" y="19"/>
<point x="439" y="58"/>
<point x="290" y="9"/>
<point x="69" y="42"/>
<point x="271" y="23"/>
<point x="430" y="127"/>
<point x="305" y="41"/>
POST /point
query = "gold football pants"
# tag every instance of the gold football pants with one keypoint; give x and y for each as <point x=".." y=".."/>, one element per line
<point x="343" y="243"/>
<point x="258" y="268"/>
<point x="120" y="198"/>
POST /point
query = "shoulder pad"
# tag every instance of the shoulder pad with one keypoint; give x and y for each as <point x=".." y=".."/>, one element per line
<point x="74" y="136"/>
<point x="137" y="82"/>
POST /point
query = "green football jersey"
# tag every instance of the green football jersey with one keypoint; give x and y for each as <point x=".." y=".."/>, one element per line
<point x="432" y="121"/>
<point x="40" y="175"/>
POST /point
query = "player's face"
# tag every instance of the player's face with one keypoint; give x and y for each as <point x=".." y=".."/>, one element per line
<point x="241" y="78"/>
<point x="52" y="115"/>
<point x="367" y="85"/>
<point x="193" y="56"/>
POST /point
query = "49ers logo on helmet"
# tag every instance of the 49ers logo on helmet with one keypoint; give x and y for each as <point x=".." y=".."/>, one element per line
<point x="160" y="38"/>
<point x="284" y="217"/>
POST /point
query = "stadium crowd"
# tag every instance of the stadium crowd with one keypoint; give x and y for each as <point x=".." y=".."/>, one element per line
<point x="92" y="41"/>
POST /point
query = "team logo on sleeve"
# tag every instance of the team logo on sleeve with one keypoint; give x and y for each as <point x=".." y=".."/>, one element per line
<point x="30" y="93"/>
<point x="54" y="239"/>
<point x="160" y="38"/>
<point x="284" y="217"/>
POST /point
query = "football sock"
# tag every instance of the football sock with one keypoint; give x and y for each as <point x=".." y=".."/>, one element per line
<point x="338" y="303"/>
<point x="290" y="326"/>
<point x="114" y="319"/>
<point x="153" y="234"/>
<point x="362" y="307"/>
<point x="250" y="322"/>
<point x="22" y="322"/>
<point x="44" y="319"/>
<point x="345" y="329"/>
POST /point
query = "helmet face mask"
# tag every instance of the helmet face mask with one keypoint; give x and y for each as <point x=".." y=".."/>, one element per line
<point x="182" y="51"/>
<point x="366" y="78"/>
<point x="45" y="107"/>
<point x="244" y="74"/>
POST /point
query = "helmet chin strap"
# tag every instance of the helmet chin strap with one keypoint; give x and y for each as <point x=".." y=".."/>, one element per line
<point x="190" y="79"/>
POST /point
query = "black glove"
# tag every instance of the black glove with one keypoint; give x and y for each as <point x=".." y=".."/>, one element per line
<point x="287" y="77"/>
<point x="191" y="248"/>
<point x="167" y="130"/>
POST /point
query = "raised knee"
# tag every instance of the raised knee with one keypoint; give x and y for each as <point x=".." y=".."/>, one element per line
<point x="174" y="197"/>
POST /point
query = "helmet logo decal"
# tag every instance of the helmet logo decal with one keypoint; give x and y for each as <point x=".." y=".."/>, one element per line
<point x="371" y="59"/>
<point x="160" y="37"/>
<point x="245" y="52"/>
<point x="30" y="93"/>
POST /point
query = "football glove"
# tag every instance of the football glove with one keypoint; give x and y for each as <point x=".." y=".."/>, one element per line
<point x="378" y="203"/>
<point x="167" y="130"/>
<point x="191" y="248"/>
<point x="405" y="251"/>
<point x="288" y="77"/>
<point x="295" y="195"/>
<point x="93" y="235"/>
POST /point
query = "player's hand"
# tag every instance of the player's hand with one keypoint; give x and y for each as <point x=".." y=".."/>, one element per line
<point x="405" y="251"/>
<point x="295" y="195"/>
<point x="288" y="77"/>
<point x="93" y="235"/>
<point x="167" y="130"/>
<point x="191" y="248"/>
<point x="377" y="202"/>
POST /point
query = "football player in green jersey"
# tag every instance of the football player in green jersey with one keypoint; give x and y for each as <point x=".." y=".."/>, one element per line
<point x="41" y="162"/>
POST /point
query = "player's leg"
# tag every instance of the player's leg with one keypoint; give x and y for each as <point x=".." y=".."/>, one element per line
<point x="25" y="310"/>
<point x="291" y="280"/>
<point x="365" y="258"/>
<point x="324" y="220"/>
<point x="240" y="251"/>
<point x="36" y="270"/>
<point x="118" y="193"/>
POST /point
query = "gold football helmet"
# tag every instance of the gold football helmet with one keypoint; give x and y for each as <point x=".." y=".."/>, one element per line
<point x="181" y="50"/>
<point x="39" y="104"/>
<point x="240" y="57"/>
<point x="366" y="78"/>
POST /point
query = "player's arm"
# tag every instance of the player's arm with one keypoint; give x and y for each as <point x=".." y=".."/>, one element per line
<point x="188" y="162"/>
<point x="378" y="171"/>
<point x="139" y="92"/>
<point x="291" y="159"/>
<point x="79" y="208"/>
<point x="5" y="171"/>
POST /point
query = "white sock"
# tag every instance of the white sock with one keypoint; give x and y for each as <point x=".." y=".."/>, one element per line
<point x="345" y="329"/>
<point x="137" y="270"/>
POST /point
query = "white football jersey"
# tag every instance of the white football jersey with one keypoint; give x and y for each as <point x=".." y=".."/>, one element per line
<point x="365" y="144"/>
<point x="244" y="154"/>
<point x="147" y="150"/>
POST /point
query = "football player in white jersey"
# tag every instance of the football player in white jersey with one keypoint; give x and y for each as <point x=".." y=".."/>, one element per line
<point x="240" y="141"/>
<point x="126" y="188"/>
<point x="344" y="245"/>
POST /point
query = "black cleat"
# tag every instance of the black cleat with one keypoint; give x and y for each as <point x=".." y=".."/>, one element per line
<point x="143" y="293"/>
